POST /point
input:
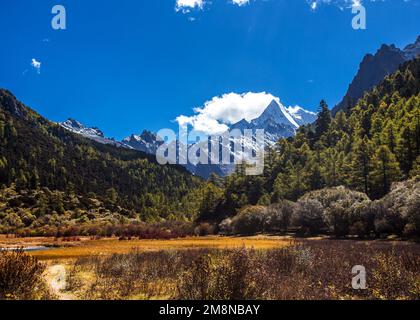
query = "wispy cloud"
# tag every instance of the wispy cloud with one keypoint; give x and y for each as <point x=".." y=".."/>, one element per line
<point x="186" y="6"/>
<point x="342" y="4"/>
<point x="36" y="65"/>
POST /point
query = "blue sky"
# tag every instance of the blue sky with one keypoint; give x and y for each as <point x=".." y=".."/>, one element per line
<point x="128" y="65"/>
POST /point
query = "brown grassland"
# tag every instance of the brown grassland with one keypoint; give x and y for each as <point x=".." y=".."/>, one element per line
<point x="86" y="247"/>
<point x="215" y="268"/>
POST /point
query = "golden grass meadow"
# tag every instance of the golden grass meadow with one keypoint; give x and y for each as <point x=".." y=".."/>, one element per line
<point x="71" y="248"/>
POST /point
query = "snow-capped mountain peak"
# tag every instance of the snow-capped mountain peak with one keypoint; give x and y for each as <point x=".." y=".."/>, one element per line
<point x="278" y="121"/>
<point x="147" y="142"/>
<point x="94" y="133"/>
<point x="77" y="127"/>
<point x="302" y="116"/>
<point x="274" y="113"/>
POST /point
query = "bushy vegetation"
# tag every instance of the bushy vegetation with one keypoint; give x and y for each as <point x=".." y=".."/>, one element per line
<point x="335" y="211"/>
<point x="42" y="212"/>
<point x="309" y="270"/>
<point x="21" y="277"/>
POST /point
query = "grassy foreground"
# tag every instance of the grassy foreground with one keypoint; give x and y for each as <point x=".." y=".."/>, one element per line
<point x="215" y="268"/>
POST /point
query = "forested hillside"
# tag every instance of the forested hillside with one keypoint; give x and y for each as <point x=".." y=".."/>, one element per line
<point x="36" y="153"/>
<point x="368" y="149"/>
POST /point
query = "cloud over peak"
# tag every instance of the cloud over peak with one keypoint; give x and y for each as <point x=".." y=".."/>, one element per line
<point x="219" y="112"/>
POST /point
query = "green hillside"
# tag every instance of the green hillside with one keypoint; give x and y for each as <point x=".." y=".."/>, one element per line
<point x="36" y="153"/>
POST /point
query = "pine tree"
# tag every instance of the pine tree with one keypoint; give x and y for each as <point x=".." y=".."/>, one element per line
<point x="323" y="122"/>
<point x="406" y="149"/>
<point x="415" y="172"/>
<point x="385" y="170"/>
<point x="332" y="167"/>
<point x="360" y="166"/>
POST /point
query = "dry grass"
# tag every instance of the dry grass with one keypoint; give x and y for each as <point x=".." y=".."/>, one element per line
<point x="103" y="247"/>
<point x="310" y="270"/>
<point x="226" y="268"/>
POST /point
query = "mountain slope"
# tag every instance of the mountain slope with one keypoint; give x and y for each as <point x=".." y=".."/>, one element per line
<point x="373" y="70"/>
<point x="35" y="152"/>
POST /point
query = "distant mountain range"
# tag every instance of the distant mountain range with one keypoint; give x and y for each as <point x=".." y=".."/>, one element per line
<point x="277" y="121"/>
<point x="374" y="68"/>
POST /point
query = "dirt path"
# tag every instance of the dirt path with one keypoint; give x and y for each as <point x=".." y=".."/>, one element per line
<point x="56" y="279"/>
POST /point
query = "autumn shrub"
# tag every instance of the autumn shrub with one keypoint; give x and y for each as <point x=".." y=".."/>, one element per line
<point x="204" y="229"/>
<point x="279" y="216"/>
<point x="249" y="220"/>
<point x="21" y="277"/>
<point x="402" y="210"/>
<point x="339" y="212"/>
<point x="362" y="219"/>
<point x="226" y="227"/>
<point x="227" y="275"/>
<point x="328" y="196"/>
<point x="308" y="216"/>
<point x="337" y="218"/>
<point x="141" y="230"/>
<point x="142" y="274"/>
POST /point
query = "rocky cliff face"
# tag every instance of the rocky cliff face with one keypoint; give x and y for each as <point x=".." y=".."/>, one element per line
<point x="374" y="68"/>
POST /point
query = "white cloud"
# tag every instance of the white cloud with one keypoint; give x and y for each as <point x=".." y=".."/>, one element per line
<point x="214" y="116"/>
<point x="36" y="65"/>
<point x="240" y="2"/>
<point x="342" y="4"/>
<point x="186" y="5"/>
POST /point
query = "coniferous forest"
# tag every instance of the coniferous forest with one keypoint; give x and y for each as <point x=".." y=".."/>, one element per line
<point x="47" y="172"/>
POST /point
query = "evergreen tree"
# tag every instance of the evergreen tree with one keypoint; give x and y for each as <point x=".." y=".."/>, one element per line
<point x="323" y="122"/>
<point x="360" y="166"/>
<point x="385" y="170"/>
